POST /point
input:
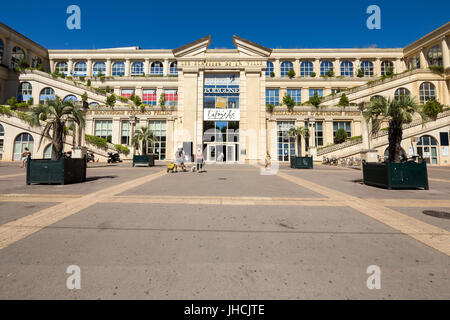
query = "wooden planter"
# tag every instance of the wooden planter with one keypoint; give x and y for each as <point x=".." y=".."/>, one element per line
<point x="62" y="171"/>
<point x="391" y="175"/>
<point x="302" y="162"/>
<point x="148" y="159"/>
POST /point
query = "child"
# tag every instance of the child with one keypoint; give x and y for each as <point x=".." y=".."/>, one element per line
<point x="25" y="155"/>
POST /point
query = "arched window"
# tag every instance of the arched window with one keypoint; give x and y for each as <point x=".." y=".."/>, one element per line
<point x="435" y="55"/>
<point x="70" y="97"/>
<point x="25" y="91"/>
<point x="2" y="135"/>
<point x="80" y="69"/>
<point x="17" y="55"/>
<point x="48" y="151"/>
<point x="367" y="67"/>
<point x="118" y="69"/>
<point x="61" y="67"/>
<point x="137" y="69"/>
<point x="22" y="141"/>
<point x="387" y="67"/>
<point x="414" y="63"/>
<point x="99" y="68"/>
<point x="426" y="92"/>
<point x="269" y="68"/>
<point x="306" y="68"/>
<point x="36" y="62"/>
<point x="286" y="66"/>
<point x="156" y="68"/>
<point x="346" y="68"/>
<point x="401" y="92"/>
<point x="93" y="104"/>
<point x="173" y="68"/>
<point x="1" y="50"/>
<point x="427" y="148"/>
<point x="325" y="66"/>
<point x="46" y="94"/>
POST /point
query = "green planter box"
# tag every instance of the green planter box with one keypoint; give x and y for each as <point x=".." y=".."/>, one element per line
<point x="62" y="171"/>
<point x="148" y="160"/>
<point x="302" y="162"/>
<point x="391" y="175"/>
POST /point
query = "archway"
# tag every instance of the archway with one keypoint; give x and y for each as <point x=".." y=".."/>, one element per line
<point x="427" y="148"/>
<point x="22" y="141"/>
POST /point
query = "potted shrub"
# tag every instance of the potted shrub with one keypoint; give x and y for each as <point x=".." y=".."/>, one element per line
<point x="289" y="102"/>
<point x="291" y="74"/>
<point x="142" y="138"/>
<point x="298" y="161"/>
<point x="394" y="173"/>
<point x="340" y="136"/>
<point x="56" y="114"/>
<point x="315" y="100"/>
<point x="344" y="102"/>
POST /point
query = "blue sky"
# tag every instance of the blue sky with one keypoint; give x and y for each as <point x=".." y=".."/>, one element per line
<point x="170" y="24"/>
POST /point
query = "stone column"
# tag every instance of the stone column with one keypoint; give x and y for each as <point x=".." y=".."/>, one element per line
<point x="276" y="68"/>
<point x="70" y="67"/>
<point x="377" y="68"/>
<point x="328" y="132"/>
<point x="147" y="66"/>
<point x="170" y="139"/>
<point x="132" y="130"/>
<point x="356" y="66"/>
<point x="297" y="67"/>
<point x="89" y="68"/>
<point x="108" y="67"/>
<point x="127" y="67"/>
<point x="337" y="67"/>
<point x="7" y="53"/>
<point x="423" y="60"/>
<point x="29" y="57"/>
<point x="445" y="53"/>
<point x="305" y="94"/>
<point x="138" y="91"/>
<point x="316" y="67"/>
<point x="166" y="67"/>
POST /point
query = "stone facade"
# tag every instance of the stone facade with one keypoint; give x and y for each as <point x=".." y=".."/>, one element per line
<point x="192" y="76"/>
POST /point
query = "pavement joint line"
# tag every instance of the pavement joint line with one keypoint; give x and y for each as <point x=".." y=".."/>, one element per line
<point x="243" y="201"/>
<point x="439" y="180"/>
<point x="12" y="175"/>
<point x="412" y="203"/>
<point x="19" y="229"/>
<point x="430" y="235"/>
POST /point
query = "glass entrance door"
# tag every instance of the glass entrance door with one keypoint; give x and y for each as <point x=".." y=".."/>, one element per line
<point x="221" y="153"/>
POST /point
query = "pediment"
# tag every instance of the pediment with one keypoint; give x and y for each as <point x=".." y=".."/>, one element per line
<point x="193" y="49"/>
<point x="251" y="49"/>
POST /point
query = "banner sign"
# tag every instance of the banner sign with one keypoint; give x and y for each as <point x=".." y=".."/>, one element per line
<point x="221" y="90"/>
<point x="221" y="114"/>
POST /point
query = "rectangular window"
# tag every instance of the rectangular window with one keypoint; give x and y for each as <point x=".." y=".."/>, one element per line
<point x="342" y="124"/>
<point x="444" y="138"/>
<point x="103" y="129"/>
<point x="285" y="143"/>
<point x="125" y="136"/>
<point x="334" y="91"/>
<point x="313" y="91"/>
<point x="319" y="133"/>
<point x="272" y="97"/>
<point x="158" y="148"/>
<point x="149" y="97"/>
<point x="127" y="93"/>
<point x="171" y="97"/>
<point x="296" y="95"/>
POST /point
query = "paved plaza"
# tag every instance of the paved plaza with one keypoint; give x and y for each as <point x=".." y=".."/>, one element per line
<point x="229" y="233"/>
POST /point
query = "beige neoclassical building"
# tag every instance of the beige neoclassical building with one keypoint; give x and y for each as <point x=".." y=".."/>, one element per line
<point x="229" y="102"/>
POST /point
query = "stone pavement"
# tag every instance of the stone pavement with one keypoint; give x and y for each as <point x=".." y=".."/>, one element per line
<point x="229" y="233"/>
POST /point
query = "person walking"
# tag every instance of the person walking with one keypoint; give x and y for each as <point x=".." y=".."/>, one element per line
<point x="268" y="163"/>
<point x="25" y="155"/>
<point x="177" y="159"/>
<point x="199" y="160"/>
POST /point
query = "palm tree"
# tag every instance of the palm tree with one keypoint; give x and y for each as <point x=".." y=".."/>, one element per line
<point x="56" y="114"/>
<point x="398" y="112"/>
<point x="143" y="135"/>
<point x="298" y="133"/>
